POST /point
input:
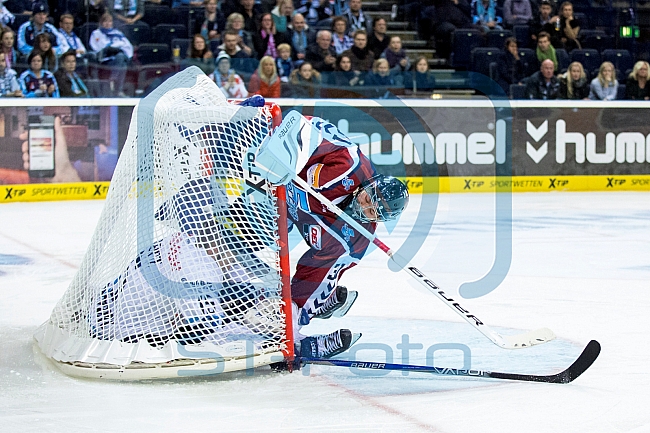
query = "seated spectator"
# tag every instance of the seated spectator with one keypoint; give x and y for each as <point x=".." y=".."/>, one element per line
<point x="94" y="10"/>
<point x="380" y="75"/>
<point x="200" y="55"/>
<point x="574" y="83"/>
<point x="484" y="15"/>
<point x="265" y="80"/>
<point x="284" y="63"/>
<point x="9" y="86"/>
<point x="362" y="58"/>
<point x="6" y="17"/>
<point x="378" y="41"/>
<point x="126" y="11"/>
<point x="43" y="45"/>
<point x="239" y="59"/>
<point x="267" y="39"/>
<point x="7" y="38"/>
<point x="512" y="70"/>
<point x="543" y="21"/>
<point x="605" y="86"/>
<point x="343" y="75"/>
<point x="517" y="12"/>
<point x="340" y="39"/>
<point x="112" y="49"/>
<point x="244" y="38"/>
<point x="282" y="14"/>
<point x="36" y="82"/>
<point x="545" y="50"/>
<point x="300" y="37"/>
<point x="228" y="81"/>
<point x="449" y="16"/>
<point x="70" y="84"/>
<point x="636" y="86"/>
<point x="250" y="12"/>
<point x="321" y="55"/>
<point x="357" y="20"/>
<point x="305" y="81"/>
<point x="314" y="10"/>
<point x="396" y="56"/>
<point x="212" y="24"/>
<point x="543" y="84"/>
<point x="66" y="26"/>
<point x="38" y="24"/>
<point x="423" y="79"/>
<point x="569" y="28"/>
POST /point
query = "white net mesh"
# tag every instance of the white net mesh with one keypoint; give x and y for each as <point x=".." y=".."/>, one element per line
<point x="184" y="262"/>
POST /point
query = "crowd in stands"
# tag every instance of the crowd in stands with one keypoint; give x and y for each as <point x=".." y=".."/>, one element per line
<point x="299" y="48"/>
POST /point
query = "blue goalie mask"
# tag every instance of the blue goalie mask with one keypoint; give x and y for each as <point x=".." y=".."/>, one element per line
<point x="386" y="198"/>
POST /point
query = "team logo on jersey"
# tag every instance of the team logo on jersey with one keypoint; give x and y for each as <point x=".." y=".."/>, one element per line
<point x="313" y="175"/>
<point x="347" y="233"/>
<point x="296" y="199"/>
<point x="347" y="183"/>
<point x="313" y="234"/>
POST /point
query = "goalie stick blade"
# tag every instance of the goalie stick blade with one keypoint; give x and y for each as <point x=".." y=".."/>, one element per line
<point x="579" y="366"/>
<point x="532" y="338"/>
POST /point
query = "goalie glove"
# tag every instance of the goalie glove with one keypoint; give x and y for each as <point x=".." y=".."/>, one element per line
<point x="285" y="153"/>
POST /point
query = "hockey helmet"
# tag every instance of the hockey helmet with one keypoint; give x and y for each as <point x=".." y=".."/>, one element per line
<point x="388" y="195"/>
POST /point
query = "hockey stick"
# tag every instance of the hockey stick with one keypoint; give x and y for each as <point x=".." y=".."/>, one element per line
<point x="532" y="338"/>
<point x="579" y="366"/>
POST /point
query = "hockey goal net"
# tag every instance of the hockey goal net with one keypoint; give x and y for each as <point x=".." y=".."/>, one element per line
<point x="187" y="271"/>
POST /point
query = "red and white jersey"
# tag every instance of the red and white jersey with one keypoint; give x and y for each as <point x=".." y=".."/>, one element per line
<point x="335" y="169"/>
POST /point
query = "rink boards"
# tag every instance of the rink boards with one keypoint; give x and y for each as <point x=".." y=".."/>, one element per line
<point x="416" y="185"/>
<point x="437" y="146"/>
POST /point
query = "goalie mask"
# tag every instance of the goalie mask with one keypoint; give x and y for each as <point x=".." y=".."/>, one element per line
<point x="386" y="196"/>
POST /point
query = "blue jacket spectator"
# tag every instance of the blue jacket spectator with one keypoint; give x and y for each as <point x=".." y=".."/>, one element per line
<point x="38" y="24"/>
<point x="380" y="75"/>
<point x="6" y="17"/>
<point x="484" y="15"/>
<point x="66" y="24"/>
<point x="284" y="63"/>
<point x="70" y="84"/>
<point x="113" y="49"/>
<point x="300" y="37"/>
<point x="341" y="41"/>
<point x="314" y="11"/>
<point x="357" y="20"/>
<point x="36" y="82"/>
<point x="605" y="86"/>
<point x="423" y="79"/>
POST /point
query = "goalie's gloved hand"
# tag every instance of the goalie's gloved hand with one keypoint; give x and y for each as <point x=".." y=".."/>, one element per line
<point x="284" y="154"/>
<point x="253" y="101"/>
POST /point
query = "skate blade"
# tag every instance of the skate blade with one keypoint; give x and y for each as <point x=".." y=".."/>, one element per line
<point x="352" y="296"/>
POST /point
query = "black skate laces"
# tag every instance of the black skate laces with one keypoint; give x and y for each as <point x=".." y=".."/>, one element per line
<point x="329" y="343"/>
<point x="332" y="301"/>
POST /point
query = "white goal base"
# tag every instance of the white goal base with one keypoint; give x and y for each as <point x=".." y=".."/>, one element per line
<point x="97" y="359"/>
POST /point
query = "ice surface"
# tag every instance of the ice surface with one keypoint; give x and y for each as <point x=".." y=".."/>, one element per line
<point x="580" y="266"/>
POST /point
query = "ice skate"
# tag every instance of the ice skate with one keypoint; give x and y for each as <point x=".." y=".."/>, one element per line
<point x="337" y="304"/>
<point x="326" y="346"/>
